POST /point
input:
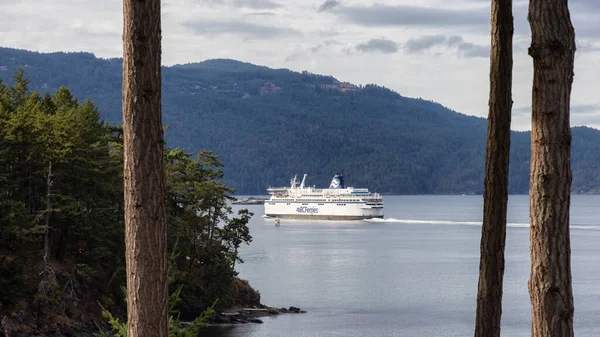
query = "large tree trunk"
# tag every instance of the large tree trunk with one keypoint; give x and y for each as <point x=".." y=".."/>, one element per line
<point x="493" y="233"/>
<point x="144" y="190"/>
<point x="553" y="52"/>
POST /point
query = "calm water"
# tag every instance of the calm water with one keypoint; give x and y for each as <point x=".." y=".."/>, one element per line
<point x="412" y="274"/>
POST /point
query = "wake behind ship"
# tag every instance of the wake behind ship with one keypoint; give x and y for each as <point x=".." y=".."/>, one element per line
<point x="334" y="203"/>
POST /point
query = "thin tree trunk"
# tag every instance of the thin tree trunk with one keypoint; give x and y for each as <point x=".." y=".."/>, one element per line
<point x="493" y="232"/>
<point x="144" y="190"/>
<point x="48" y="279"/>
<point x="553" y="52"/>
<point x="47" y="218"/>
<point x="235" y="259"/>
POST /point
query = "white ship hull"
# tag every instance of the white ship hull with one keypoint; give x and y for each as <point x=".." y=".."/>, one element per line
<point x="323" y="211"/>
<point x="334" y="203"/>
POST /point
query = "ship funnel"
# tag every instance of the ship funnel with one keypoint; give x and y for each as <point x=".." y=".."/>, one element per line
<point x="337" y="181"/>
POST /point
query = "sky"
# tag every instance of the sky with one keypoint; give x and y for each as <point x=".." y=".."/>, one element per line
<point x="434" y="49"/>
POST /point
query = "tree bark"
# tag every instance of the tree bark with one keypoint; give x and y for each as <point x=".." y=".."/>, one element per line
<point x="144" y="190"/>
<point x="493" y="232"/>
<point x="553" y="52"/>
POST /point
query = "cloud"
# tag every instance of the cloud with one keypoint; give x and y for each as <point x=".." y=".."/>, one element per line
<point x="316" y="48"/>
<point x="581" y="114"/>
<point x="310" y="51"/>
<point x="464" y="49"/>
<point x="253" y="4"/>
<point x="521" y="111"/>
<point x="423" y="43"/>
<point x="587" y="47"/>
<point x="583" y="15"/>
<point x="324" y="44"/>
<point x="585" y="108"/>
<point x="593" y="5"/>
<point x="249" y="30"/>
<point x="294" y="56"/>
<point x="468" y="49"/>
<point x="378" y="45"/>
<point x="400" y="15"/>
<point x="586" y="27"/>
<point x="471" y="19"/>
<point x="261" y="14"/>
<point x="585" y="114"/>
<point x="328" y="4"/>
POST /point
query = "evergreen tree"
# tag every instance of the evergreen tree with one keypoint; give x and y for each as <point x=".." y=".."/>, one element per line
<point x="86" y="263"/>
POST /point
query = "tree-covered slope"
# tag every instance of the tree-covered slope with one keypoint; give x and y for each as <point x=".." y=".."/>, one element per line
<point x="269" y="124"/>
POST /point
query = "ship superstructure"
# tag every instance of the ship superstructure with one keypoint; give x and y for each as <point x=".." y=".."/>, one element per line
<point x="337" y="202"/>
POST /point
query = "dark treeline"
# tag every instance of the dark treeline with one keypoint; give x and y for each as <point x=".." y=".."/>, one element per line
<point x="81" y="211"/>
<point x="269" y="124"/>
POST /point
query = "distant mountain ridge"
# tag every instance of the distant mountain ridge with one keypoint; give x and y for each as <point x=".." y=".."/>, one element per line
<point x="269" y="124"/>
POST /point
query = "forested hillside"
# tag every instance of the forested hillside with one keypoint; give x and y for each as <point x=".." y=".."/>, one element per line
<point x="269" y="124"/>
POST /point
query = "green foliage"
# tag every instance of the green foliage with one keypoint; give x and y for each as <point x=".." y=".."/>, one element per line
<point x="14" y="226"/>
<point x="35" y="132"/>
<point x="119" y="329"/>
<point x="191" y="330"/>
<point x="201" y="227"/>
<point x="86" y="219"/>
<point x="85" y="229"/>
<point x="176" y="328"/>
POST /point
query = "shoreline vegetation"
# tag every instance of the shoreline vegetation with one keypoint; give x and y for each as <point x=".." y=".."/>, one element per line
<point x="62" y="249"/>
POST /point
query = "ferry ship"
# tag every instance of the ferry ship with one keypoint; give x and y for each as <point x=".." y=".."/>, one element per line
<point x="337" y="202"/>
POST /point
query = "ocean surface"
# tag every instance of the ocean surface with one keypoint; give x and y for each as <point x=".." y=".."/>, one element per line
<point x="413" y="273"/>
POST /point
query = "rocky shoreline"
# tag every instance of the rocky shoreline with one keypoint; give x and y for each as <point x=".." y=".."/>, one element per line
<point x="249" y="315"/>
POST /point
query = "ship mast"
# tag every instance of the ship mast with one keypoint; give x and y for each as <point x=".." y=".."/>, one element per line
<point x="293" y="183"/>
<point x="303" y="179"/>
